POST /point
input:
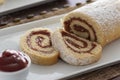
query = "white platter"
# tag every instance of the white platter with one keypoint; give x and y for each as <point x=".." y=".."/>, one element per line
<point x="15" y="5"/>
<point x="9" y="39"/>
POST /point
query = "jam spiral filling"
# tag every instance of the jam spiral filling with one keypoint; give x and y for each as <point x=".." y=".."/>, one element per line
<point x="40" y="41"/>
<point x="12" y="61"/>
<point x="81" y="28"/>
<point x="76" y="44"/>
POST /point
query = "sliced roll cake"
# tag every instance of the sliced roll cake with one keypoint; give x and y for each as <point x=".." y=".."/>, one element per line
<point x="37" y="44"/>
<point x="75" y="50"/>
<point x="98" y="21"/>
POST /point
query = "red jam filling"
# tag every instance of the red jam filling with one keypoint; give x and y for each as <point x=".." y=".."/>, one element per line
<point x="12" y="60"/>
<point x="39" y="40"/>
<point x="79" y="28"/>
<point x="85" y="45"/>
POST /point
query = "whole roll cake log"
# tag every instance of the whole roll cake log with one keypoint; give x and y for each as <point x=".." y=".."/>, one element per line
<point x="98" y="21"/>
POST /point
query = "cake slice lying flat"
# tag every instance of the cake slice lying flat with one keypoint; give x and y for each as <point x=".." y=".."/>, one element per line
<point x="75" y="50"/>
<point x="37" y="44"/>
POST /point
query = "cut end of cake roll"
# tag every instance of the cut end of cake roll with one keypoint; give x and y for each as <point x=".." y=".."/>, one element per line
<point x="75" y="50"/>
<point x="98" y="21"/>
<point x="83" y="26"/>
<point x="37" y="44"/>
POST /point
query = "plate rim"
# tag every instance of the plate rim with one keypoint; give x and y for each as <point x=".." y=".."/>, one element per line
<point x="23" y="7"/>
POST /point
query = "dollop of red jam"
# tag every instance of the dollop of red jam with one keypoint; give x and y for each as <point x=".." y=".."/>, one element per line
<point x="12" y="60"/>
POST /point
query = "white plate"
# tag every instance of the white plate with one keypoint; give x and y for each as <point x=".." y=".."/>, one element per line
<point x="9" y="39"/>
<point x="14" y="5"/>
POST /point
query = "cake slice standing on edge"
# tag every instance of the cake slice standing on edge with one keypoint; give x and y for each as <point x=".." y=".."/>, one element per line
<point x="75" y="50"/>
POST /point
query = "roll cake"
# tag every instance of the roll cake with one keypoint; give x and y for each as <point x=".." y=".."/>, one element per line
<point x="37" y="44"/>
<point x="98" y="21"/>
<point x="75" y="50"/>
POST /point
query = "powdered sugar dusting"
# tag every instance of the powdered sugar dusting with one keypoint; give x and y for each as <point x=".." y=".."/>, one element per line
<point x="106" y="13"/>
